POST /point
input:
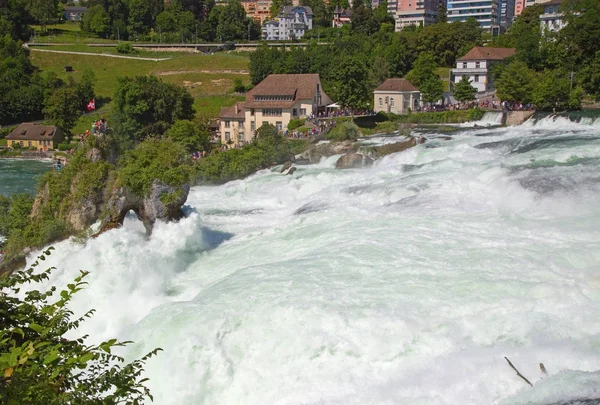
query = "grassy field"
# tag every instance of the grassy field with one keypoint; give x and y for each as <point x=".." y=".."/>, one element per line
<point x="444" y="74"/>
<point x="108" y="69"/>
<point x="207" y="77"/>
<point x="69" y="32"/>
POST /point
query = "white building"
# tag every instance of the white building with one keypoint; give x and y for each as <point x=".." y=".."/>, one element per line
<point x="486" y="12"/>
<point x="552" y="18"/>
<point x="396" y="96"/>
<point x="292" y="23"/>
<point x="276" y="100"/>
<point x="476" y="63"/>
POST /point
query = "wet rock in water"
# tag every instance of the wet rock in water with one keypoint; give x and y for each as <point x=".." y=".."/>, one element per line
<point x="291" y="171"/>
<point x="316" y="152"/>
<point x="383" y="150"/>
<point x="353" y="161"/>
<point x="164" y="203"/>
<point x="286" y="166"/>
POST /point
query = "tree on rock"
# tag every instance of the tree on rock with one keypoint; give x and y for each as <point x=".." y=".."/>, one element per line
<point x="145" y="106"/>
<point x="463" y="91"/>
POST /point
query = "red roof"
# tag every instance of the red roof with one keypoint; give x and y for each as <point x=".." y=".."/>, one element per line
<point x="486" y="53"/>
<point x="396" y="84"/>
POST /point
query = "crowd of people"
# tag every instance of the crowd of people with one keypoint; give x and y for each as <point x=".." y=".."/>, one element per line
<point x="320" y="127"/>
<point x="346" y="112"/>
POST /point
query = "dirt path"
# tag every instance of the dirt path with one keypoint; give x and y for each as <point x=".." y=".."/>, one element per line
<point x="106" y="55"/>
<point x="216" y="71"/>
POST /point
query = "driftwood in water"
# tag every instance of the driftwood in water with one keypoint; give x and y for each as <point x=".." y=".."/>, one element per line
<point x="517" y="371"/>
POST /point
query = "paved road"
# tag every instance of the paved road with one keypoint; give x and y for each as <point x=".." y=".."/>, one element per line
<point x="107" y="55"/>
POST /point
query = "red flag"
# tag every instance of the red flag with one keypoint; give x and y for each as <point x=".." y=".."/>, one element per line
<point x="91" y="105"/>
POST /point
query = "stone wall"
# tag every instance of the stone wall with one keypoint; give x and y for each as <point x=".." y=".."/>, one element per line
<point x="517" y="117"/>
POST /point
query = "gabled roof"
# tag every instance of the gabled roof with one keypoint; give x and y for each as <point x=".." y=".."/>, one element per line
<point x="290" y="9"/>
<point x="31" y="132"/>
<point x="230" y="112"/>
<point x="301" y="86"/>
<point x="487" y="53"/>
<point x="396" y="84"/>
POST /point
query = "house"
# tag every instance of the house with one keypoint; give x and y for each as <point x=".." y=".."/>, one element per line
<point x="40" y="137"/>
<point x="276" y="100"/>
<point x="476" y="63"/>
<point x="258" y="10"/>
<point x="341" y="17"/>
<point x="551" y="19"/>
<point x="396" y="96"/>
<point x="292" y="23"/>
<point x="74" y="13"/>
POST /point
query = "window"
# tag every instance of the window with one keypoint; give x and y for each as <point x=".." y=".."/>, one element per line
<point x="240" y="124"/>
<point x="294" y="112"/>
<point x="476" y="79"/>
<point x="28" y="143"/>
<point x="227" y="124"/>
<point x="392" y="101"/>
<point x="303" y="111"/>
<point x="272" y="112"/>
<point x="464" y="65"/>
<point x="477" y="65"/>
<point x="241" y="137"/>
<point x="227" y="136"/>
<point x="252" y="125"/>
<point x="380" y="102"/>
<point x="21" y="143"/>
<point x="279" y="125"/>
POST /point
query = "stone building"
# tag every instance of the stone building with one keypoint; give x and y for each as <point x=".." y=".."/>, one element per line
<point x="396" y="96"/>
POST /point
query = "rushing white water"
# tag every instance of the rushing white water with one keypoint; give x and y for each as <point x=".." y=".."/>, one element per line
<point x="405" y="283"/>
<point x="489" y="119"/>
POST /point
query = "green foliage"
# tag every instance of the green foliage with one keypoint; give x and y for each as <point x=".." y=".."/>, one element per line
<point x="553" y="91"/>
<point x="351" y="86"/>
<point x="463" y="91"/>
<point x="154" y="159"/>
<point x="269" y="148"/>
<point x="441" y="117"/>
<point x="297" y="146"/>
<point x="516" y="83"/>
<point x="145" y="106"/>
<point x="343" y="132"/>
<point x="423" y="69"/>
<point x="64" y="146"/>
<point x="63" y="107"/>
<point x="238" y="86"/>
<point x="191" y="136"/>
<point x="39" y="365"/>
<point x="126" y="48"/>
<point x="97" y="21"/>
<point x="294" y="124"/>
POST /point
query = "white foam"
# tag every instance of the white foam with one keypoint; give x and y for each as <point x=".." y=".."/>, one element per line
<point x="407" y="282"/>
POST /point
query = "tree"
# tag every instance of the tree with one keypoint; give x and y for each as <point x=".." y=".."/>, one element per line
<point x="463" y="91"/>
<point x="43" y="11"/>
<point x="516" y="83"/>
<point x="352" y="81"/>
<point x="165" y="22"/>
<point x="145" y="106"/>
<point x="96" y="20"/>
<point x="63" y="108"/>
<point x="423" y="69"/>
<point x="432" y="89"/>
<point x="379" y="72"/>
<point x="527" y="36"/>
<point x="14" y="18"/>
<point x="363" y="20"/>
<point x="85" y="87"/>
<point x="232" y="22"/>
<point x="590" y="77"/>
<point x="553" y="91"/>
<point x="190" y="135"/>
<point x="39" y="365"/>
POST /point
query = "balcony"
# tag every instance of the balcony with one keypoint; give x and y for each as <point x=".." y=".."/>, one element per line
<point x="460" y="71"/>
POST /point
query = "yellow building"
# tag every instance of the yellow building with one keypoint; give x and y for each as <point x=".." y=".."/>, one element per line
<point x="40" y="137"/>
<point x="276" y="100"/>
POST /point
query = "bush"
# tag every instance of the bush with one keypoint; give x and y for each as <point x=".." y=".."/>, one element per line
<point x="295" y="124"/>
<point x="39" y="365"/>
<point x="126" y="48"/>
<point x="64" y="146"/>
<point x="238" y="86"/>
<point x="343" y="132"/>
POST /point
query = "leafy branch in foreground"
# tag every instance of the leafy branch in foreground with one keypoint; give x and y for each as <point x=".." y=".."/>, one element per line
<point x="38" y="365"/>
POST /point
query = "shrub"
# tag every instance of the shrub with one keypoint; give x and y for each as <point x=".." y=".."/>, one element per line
<point x="39" y="365"/>
<point x="344" y="131"/>
<point x="295" y="124"/>
<point x="126" y="48"/>
<point x="238" y="86"/>
<point x="64" y="146"/>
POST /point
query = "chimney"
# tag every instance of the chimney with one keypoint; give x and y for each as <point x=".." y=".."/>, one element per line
<point x="236" y="108"/>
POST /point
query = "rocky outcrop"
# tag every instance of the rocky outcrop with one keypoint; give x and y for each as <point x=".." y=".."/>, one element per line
<point x="326" y="149"/>
<point x="164" y="202"/>
<point x="286" y="166"/>
<point x="376" y="152"/>
<point x="291" y="171"/>
<point x="353" y="161"/>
